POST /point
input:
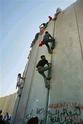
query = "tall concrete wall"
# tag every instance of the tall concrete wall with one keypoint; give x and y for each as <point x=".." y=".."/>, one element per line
<point x="67" y="61"/>
<point x="64" y="100"/>
<point x="7" y="103"/>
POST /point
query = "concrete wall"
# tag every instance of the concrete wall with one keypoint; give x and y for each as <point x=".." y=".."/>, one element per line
<point x="7" y="103"/>
<point x="67" y="61"/>
<point x="65" y="95"/>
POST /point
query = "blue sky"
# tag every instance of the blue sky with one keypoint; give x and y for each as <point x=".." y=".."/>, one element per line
<point x="19" y="22"/>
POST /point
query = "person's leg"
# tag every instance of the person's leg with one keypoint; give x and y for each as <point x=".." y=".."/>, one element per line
<point x="52" y="41"/>
<point x="41" y="71"/>
<point x="19" y="92"/>
<point x="53" y="44"/>
<point x="45" y="68"/>
<point x="49" y="72"/>
<point x="47" y="82"/>
<point x="48" y="47"/>
<point x="45" y="78"/>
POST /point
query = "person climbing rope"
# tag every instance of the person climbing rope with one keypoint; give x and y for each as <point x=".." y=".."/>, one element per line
<point x="42" y="68"/>
<point x="46" y="40"/>
<point x="20" y="84"/>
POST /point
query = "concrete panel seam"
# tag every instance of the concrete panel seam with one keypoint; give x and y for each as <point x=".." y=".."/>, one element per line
<point x="78" y="34"/>
<point x="30" y="85"/>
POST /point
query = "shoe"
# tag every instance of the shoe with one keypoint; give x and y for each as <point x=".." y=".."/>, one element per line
<point x="52" y="48"/>
<point x="48" y="87"/>
<point x="50" y="51"/>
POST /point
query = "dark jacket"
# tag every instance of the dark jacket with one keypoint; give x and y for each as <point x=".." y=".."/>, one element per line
<point x="47" y="36"/>
<point x="42" y="63"/>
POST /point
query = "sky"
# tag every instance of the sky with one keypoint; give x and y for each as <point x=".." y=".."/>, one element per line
<point x="19" y="22"/>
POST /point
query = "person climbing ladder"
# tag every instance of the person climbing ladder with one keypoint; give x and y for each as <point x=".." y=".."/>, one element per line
<point x="46" y="40"/>
<point x="42" y="68"/>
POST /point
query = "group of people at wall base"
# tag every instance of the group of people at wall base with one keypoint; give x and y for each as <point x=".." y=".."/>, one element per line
<point x="5" y="119"/>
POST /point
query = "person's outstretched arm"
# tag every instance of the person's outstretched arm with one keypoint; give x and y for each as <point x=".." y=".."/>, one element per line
<point x="23" y="78"/>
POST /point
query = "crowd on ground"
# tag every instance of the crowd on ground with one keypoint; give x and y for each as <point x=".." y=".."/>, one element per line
<point x="5" y="119"/>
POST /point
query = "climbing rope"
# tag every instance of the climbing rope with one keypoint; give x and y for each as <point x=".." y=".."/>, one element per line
<point x="48" y="89"/>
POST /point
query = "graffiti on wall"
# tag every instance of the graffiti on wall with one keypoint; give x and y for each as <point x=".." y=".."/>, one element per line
<point x="62" y="113"/>
<point x="38" y="112"/>
<point x="65" y="113"/>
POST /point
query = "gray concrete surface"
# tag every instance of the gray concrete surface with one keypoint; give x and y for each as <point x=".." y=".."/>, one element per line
<point x="66" y="90"/>
<point x="7" y="103"/>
